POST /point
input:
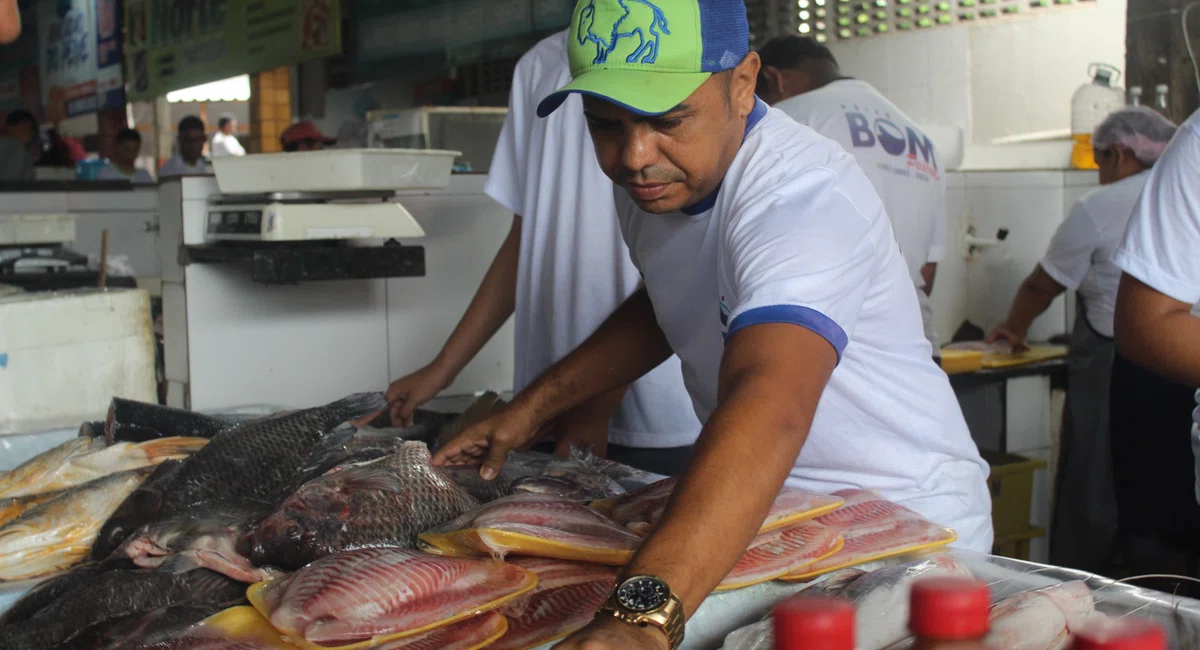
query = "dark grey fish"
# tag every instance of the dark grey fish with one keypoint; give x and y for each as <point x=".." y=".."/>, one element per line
<point x="147" y="630"/>
<point x="385" y="502"/>
<point x="133" y="421"/>
<point x="569" y="478"/>
<point x="115" y="594"/>
<point x="48" y="591"/>
<point x="629" y="478"/>
<point x="255" y="460"/>
<point x="519" y="465"/>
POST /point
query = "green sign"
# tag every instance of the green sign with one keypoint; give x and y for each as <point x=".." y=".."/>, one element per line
<point x="173" y="44"/>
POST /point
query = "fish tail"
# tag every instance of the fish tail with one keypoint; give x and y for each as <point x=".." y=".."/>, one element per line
<point x="170" y="448"/>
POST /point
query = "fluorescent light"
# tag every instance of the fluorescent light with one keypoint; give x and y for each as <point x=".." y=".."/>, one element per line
<point x="234" y="89"/>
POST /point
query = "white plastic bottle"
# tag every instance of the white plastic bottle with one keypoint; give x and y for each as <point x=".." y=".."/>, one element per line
<point x="1090" y="104"/>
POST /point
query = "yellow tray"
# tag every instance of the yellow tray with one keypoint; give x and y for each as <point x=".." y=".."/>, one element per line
<point x="1034" y="354"/>
<point x="957" y="361"/>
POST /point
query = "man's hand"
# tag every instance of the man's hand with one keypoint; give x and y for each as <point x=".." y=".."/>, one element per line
<point x="407" y="393"/>
<point x="488" y="441"/>
<point x="1015" y="339"/>
<point x="607" y="633"/>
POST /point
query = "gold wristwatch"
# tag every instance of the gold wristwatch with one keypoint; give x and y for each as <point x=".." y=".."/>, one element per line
<point x="647" y="600"/>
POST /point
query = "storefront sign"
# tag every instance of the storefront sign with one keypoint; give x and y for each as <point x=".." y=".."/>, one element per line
<point x="79" y="57"/>
<point x="173" y="44"/>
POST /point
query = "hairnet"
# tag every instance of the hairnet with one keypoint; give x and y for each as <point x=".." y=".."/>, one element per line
<point x="1142" y="130"/>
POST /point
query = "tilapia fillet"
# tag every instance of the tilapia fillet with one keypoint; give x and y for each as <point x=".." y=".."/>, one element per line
<point x="383" y="594"/>
<point x="80" y="460"/>
<point x="59" y="533"/>
<point x="566" y="599"/>
<point x="383" y="502"/>
<point x="873" y="529"/>
<point x="1042" y="619"/>
<point x="641" y="510"/>
<point x="534" y="525"/>
<point x="779" y="552"/>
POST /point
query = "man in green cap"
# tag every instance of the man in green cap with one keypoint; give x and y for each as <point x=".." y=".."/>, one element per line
<point x="772" y="271"/>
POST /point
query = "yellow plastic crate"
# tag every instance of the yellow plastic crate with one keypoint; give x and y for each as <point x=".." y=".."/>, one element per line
<point x="1011" y="485"/>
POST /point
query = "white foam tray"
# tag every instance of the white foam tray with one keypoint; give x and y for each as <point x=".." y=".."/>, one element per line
<point x="335" y="170"/>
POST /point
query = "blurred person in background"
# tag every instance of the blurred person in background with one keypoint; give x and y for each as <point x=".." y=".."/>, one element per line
<point x="1157" y="367"/>
<point x="189" y="159"/>
<point x="60" y="150"/>
<point x="124" y="160"/>
<point x="18" y="146"/>
<point x="1080" y="258"/>
<point x="304" y="136"/>
<point x="801" y="77"/>
<point x="224" y="142"/>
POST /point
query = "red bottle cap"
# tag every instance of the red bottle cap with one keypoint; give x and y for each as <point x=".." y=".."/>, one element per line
<point x="949" y="609"/>
<point x="814" y="623"/>
<point x="1121" y="634"/>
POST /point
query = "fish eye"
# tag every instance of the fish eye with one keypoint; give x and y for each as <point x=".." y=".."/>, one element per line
<point x="292" y="531"/>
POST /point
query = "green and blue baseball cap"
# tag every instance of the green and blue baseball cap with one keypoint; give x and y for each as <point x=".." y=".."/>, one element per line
<point x="649" y="55"/>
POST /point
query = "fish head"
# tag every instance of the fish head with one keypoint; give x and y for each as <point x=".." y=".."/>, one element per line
<point x="139" y="507"/>
<point x="308" y="526"/>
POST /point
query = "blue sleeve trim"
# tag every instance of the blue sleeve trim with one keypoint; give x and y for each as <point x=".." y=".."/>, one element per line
<point x="805" y="317"/>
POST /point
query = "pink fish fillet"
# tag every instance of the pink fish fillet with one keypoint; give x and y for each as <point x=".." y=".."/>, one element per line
<point x="641" y="509"/>
<point x="780" y="552"/>
<point x="356" y="595"/>
<point x="864" y="509"/>
<point x="1041" y="620"/>
<point x="566" y="599"/>
<point x="475" y="632"/>
<point x="538" y="525"/>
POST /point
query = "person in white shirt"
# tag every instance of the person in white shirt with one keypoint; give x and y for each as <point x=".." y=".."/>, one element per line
<point x="562" y="269"/>
<point x="1157" y="366"/>
<point x="1080" y="258"/>
<point x="801" y="77"/>
<point x="224" y="142"/>
<point x="189" y="159"/>
<point x="123" y="165"/>
<point x="771" y="270"/>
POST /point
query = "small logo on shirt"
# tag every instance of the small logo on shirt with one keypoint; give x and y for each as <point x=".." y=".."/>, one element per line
<point x="896" y="141"/>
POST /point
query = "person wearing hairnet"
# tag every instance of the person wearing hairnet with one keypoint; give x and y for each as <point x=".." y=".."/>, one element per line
<point x="1079" y="258"/>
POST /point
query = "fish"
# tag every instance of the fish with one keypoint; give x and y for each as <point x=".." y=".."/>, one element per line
<point x="642" y="509"/>
<point x="873" y="529"/>
<point x="535" y="525"/>
<point x="383" y="502"/>
<point x="46" y="592"/>
<point x="115" y="594"/>
<point x="629" y="478"/>
<point x="382" y="594"/>
<point x="519" y="465"/>
<point x="92" y="430"/>
<point x="132" y="421"/>
<point x="760" y="634"/>
<point x="475" y="632"/>
<point x="142" y="630"/>
<point x="779" y="552"/>
<point x="236" y="628"/>
<point x="255" y="460"/>
<point x="58" y="533"/>
<point x="202" y="536"/>
<point x="12" y="508"/>
<point x="566" y="599"/>
<point x="1041" y="619"/>
<point x="569" y="478"/>
<point x="80" y="460"/>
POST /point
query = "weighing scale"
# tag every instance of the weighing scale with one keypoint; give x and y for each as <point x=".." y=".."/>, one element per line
<point x="305" y="216"/>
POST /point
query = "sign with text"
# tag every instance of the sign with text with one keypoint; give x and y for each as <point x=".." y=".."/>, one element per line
<point x="173" y="44"/>
<point x="79" y="55"/>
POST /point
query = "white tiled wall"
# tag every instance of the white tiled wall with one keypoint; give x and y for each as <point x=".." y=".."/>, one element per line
<point x="1009" y="77"/>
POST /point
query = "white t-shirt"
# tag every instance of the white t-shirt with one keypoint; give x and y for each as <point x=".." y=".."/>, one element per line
<point x="796" y="234"/>
<point x="175" y="166"/>
<point x="1163" y="237"/>
<point x="225" y="145"/>
<point x="1081" y="252"/>
<point x="113" y="173"/>
<point x="574" y="268"/>
<point x="900" y="162"/>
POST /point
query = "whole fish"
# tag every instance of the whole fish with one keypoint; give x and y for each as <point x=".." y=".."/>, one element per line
<point x="254" y="460"/>
<point x="143" y="630"/>
<point x="629" y="478"/>
<point x="12" y="508"/>
<point x="535" y="525"/>
<point x="566" y="599"/>
<point x="384" y="594"/>
<point x="570" y="478"/>
<point x="133" y="421"/>
<point x="80" y="460"/>
<point x="202" y="536"/>
<point x="383" y="502"/>
<point x="1041" y="619"/>
<point x="46" y="592"/>
<point x="58" y="533"/>
<point x="115" y="594"/>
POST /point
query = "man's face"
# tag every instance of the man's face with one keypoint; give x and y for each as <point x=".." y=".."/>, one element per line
<point x="230" y="127"/>
<point x="310" y="145"/>
<point x="126" y="152"/>
<point x="191" y="144"/>
<point x="22" y="132"/>
<point x="674" y="160"/>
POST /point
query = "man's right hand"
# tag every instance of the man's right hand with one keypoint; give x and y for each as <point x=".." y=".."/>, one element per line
<point x="487" y="442"/>
<point x="1015" y="339"/>
<point x="408" y="393"/>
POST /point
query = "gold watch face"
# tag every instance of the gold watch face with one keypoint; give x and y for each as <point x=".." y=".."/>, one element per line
<point x="642" y="594"/>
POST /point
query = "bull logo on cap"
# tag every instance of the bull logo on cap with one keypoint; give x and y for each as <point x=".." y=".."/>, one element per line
<point x="637" y="18"/>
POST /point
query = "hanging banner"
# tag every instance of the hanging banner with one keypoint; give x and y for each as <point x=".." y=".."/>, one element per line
<point x="173" y="44"/>
<point x="79" y="57"/>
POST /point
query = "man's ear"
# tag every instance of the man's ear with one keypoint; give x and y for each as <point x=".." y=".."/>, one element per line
<point x="745" y="78"/>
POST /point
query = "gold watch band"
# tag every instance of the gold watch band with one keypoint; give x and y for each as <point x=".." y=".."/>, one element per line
<point x="668" y="618"/>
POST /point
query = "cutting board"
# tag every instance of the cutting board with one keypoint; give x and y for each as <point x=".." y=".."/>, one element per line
<point x="1034" y="354"/>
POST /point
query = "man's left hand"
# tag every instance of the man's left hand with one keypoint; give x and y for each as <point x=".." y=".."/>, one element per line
<point x="608" y="633"/>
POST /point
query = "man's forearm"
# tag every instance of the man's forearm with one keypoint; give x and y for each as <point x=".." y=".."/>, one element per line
<point x="1034" y="297"/>
<point x="493" y="303"/>
<point x="626" y="346"/>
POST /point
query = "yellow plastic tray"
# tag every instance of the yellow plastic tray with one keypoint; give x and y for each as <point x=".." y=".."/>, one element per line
<point x="475" y="542"/>
<point x="905" y="550"/>
<point x="957" y="361"/>
<point x="1034" y="354"/>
